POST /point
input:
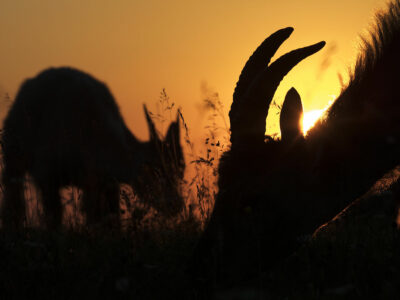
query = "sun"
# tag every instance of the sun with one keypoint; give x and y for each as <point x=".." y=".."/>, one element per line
<point x="310" y="117"/>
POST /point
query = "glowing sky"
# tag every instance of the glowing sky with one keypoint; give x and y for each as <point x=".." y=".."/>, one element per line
<point x="140" y="47"/>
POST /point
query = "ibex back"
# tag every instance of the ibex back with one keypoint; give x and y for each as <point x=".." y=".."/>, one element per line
<point x="65" y="128"/>
<point x="272" y="193"/>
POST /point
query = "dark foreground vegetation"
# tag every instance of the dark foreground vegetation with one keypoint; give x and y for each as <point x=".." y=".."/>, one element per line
<point x="355" y="256"/>
<point x="72" y="265"/>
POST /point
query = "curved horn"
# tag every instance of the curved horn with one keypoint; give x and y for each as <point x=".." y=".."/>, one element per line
<point x="172" y="140"/>
<point x="291" y="115"/>
<point x="173" y="132"/>
<point x="150" y="124"/>
<point x="259" y="60"/>
<point x="250" y="109"/>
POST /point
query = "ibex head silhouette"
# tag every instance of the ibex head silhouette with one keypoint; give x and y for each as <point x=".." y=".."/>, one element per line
<point x="272" y="193"/>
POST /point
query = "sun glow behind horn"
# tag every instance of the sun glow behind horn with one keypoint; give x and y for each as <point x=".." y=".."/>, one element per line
<point x="312" y="116"/>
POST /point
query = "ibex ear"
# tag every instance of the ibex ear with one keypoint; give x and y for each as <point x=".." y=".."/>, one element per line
<point x="291" y="115"/>
<point x="172" y="139"/>
<point x="150" y="124"/>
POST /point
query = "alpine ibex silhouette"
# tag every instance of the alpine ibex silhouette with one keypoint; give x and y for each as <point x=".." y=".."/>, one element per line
<point x="65" y="128"/>
<point x="272" y="193"/>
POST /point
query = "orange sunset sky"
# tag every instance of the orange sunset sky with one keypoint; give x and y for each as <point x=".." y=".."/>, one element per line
<point x="139" y="47"/>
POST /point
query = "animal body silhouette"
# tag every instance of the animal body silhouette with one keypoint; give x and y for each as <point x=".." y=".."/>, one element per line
<point x="65" y="128"/>
<point x="273" y="193"/>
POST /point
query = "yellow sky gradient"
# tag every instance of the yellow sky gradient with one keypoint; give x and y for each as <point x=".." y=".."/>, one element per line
<point x="140" y="47"/>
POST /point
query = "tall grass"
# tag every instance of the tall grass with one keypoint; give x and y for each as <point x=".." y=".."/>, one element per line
<point x="202" y="188"/>
<point x="199" y="187"/>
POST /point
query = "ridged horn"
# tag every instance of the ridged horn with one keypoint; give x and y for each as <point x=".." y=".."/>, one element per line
<point x="259" y="60"/>
<point x="150" y="124"/>
<point x="291" y="115"/>
<point x="257" y="85"/>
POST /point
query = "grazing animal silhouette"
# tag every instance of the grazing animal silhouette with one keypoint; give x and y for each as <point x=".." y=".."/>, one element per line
<point x="65" y="128"/>
<point x="273" y="193"/>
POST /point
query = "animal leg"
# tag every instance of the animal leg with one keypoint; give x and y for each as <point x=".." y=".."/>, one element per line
<point x="52" y="206"/>
<point x="13" y="212"/>
<point x="110" y="203"/>
<point x="101" y="202"/>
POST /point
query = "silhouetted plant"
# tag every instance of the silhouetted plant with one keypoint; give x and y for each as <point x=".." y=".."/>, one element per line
<point x="201" y="187"/>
